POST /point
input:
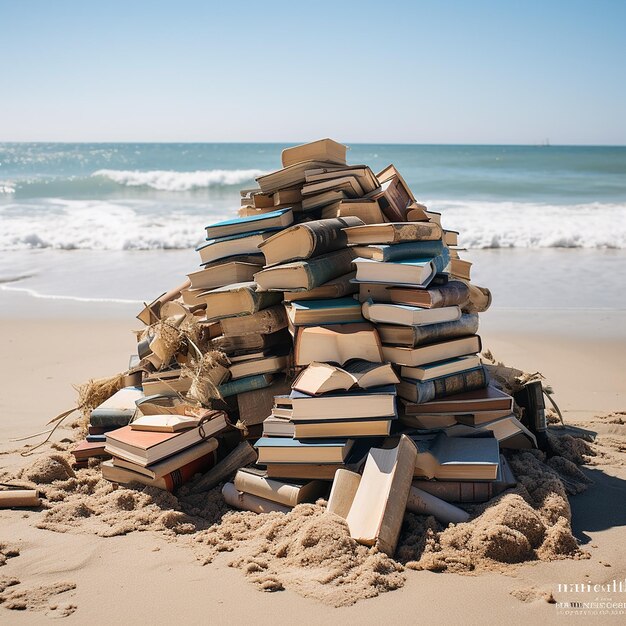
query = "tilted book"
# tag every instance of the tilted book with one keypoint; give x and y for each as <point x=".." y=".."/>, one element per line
<point x="424" y="391"/>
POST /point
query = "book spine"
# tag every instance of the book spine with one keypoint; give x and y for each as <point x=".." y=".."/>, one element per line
<point x="242" y="385"/>
<point x="263" y="300"/>
<point x="262" y="322"/>
<point x="327" y="235"/>
<point x="434" y="333"/>
<point x="328" y="266"/>
<point x="412" y="249"/>
<point x="108" y="418"/>
<point x="418" y="231"/>
<point x="183" y="474"/>
<point x="444" y="386"/>
<point x="453" y="293"/>
<point x="457" y="491"/>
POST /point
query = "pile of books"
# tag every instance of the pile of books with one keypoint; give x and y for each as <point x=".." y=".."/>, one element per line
<point x="345" y="318"/>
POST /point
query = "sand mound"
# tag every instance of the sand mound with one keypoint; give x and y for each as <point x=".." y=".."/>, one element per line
<point x="37" y="598"/>
<point x="48" y="469"/>
<point x="530" y="594"/>
<point x="307" y="550"/>
<point x="7" y="552"/>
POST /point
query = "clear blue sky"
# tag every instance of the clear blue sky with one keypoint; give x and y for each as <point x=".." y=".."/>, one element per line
<point x="409" y="72"/>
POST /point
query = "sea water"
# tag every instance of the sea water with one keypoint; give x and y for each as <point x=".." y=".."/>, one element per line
<point x="118" y="222"/>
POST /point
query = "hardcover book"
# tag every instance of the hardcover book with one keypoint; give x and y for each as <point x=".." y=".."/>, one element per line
<point x="285" y="450"/>
<point x="256" y="223"/>
<point x="432" y="353"/>
<point x="328" y="311"/>
<point x="393" y="233"/>
<point x="414" y="336"/>
<point x="420" y="392"/>
<point x="237" y="300"/>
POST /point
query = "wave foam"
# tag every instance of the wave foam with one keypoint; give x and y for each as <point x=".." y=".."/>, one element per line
<point x="168" y="180"/>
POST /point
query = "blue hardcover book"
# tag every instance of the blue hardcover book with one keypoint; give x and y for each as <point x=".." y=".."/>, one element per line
<point x="287" y="450"/>
<point x="242" y="243"/>
<point x="327" y="311"/>
<point x="249" y="383"/>
<point x="401" y="251"/>
<point x="254" y="223"/>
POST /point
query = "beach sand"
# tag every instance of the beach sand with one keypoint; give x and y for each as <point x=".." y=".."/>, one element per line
<point x="145" y="577"/>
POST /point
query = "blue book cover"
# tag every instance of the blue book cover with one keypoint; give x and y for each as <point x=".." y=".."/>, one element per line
<point x="249" y="220"/>
<point x="211" y="242"/>
<point x="249" y="383"/>
<point x="410" y="250"/>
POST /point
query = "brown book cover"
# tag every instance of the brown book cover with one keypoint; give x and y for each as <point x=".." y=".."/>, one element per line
<point x="452" y="293"/>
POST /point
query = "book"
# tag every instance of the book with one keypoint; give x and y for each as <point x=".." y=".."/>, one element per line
<point x="364" y="175"/>
<point x="485" y="399"/>
<point x="440" y="368"/>
<point x="342" y="428"/>
<point x="509" y="432"/>
<point x="424" y="391"/>
<point x="250" y="343"/>
<point x="237" y="300"/>
<point x="264" y="221"/>
<point x="460" y="268"/>
<point x="255" y="405"/>
<point x="361" y="403"/>
<point x="432" y="353"/>
<point x="365" y="209"/>
<point x="451" y="237"/>
<point x="400" y="251"/>
<point x="285" y="450"/>
<point x="252" y="258"/>
<point x="324" y="150"/>
<point x="393" y="197"/>
<point x="247" y="502"/>
<point x="274" y="426"/>
<point x="323" y="199"/>
<point x="306" y="275"/>
<point x="168" y="482"/>
<point x="478" y="418"/>
<point x="393" y="233"/>
<point x="220" y="275"/>
<point x="319" y="378"/>
<point x="414" y="336"/>
<point x="117" y="410"/>
<point x="328" y="311"/>
<point x="169" y="386"/>
<point x="417" y="271"/>
<point x="287" y="196"/>
<point x="266" y="365"/>
<point x="249" y="383"/>
<point x="457" y="458"/>
<point x="306" y="240"/>
<point x="405" y="315"/>
<point x="335" y="288"/>
<point x="348" y="184"/>
<point x="337" y="344"/>
<point x="470" y="491"/>
<point x="145" y="448"/>
<point x="165" y="423"/>
<point x="290" y="176"/>
<point x="89" y="449"/>
<point x="378" y="292"/>
<point x="246" y="243"/>
<point x="255" y="482"/>
<point x="416" y="212"/>
<point x="453" y="293"/>
<point x="263" y="322"/>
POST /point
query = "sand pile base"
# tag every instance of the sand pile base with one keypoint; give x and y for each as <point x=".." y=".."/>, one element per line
<point x="309" y="550"/>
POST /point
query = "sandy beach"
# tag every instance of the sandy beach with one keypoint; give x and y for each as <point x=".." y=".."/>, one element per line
<point x="147" y="577"/>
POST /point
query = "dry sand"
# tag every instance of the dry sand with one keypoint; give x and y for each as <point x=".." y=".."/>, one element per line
<point x="81" y="559"/>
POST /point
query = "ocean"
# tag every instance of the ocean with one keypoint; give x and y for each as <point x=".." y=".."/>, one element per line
<point x="118" y="222"/>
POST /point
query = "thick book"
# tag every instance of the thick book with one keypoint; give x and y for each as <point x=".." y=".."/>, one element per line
<point x="274" y="426"/>
<point x="337" y="344"/>
<point x="320" y="312"/>
<point x="432" y="353"/>
<point x="440" y="368"/>
<point x="145" y="448"/>
<point x="460" y="269"/>
<point x="264" y="221"/>
<point x="453" y="293"/>
<point x="323" y="199"/>
<point x="419" y="392"/>
<point x="263" y="322"/>
<point x="406" y="315"/>
<point x="265" y="365"/>
<point x="247" y="502"/>
<point x="457" y="458"/>
<point x="251" y="343"/>
<point x="399" y="251"/>
<point x="246" y="243"/>
<point x="451" y="237"/>
<point x="414" y="336"/>
<point x="394" y="195"/>
<point x="237" y="300"/>
<point x="168" y="482"/>
<point x="366" y="178"/>
<point x="285" y="450"/>
<point x="323" y="150"/>
<point x="164" y="422"/>
<point x="234" y="387"/>
<point x="117" y="410"/>
<point x="255" y="405"/>
<point x="334" y="288"/>
<point x="306" y="240"/>
<point x="289" y="176"/>
<point x="306" y="275"/>
<point x="393" y="233"/>
<point x="320" y="378"/>
<point x="220" y="275"/>
<point x="470" y="492"/>
<point x="488" y="399"/>
<point x="417" y="272"/>
<point x="366" y="210"/>
<point x="255" y="482"/>
<point x="357" y="404"/>
<point x="90" y="449"/>
<point x="348" y="184"/>
<point x="342" y="428"/>
<point x="252" y="258"/>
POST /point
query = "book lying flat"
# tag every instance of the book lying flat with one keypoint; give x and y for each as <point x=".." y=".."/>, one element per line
<point x="348" y="184"/>
<point x="237" y="300"/>
<point x="399" y="251"/>
<point x="249" y="383"/>
<point x="319" y="378"/>
<point x="323" y="150"/>
<point x="441" y="368"/>
<point x="337" y="344"/>
<point x="359" y="403"/>
<point x="263" y="322"/>
<point x="274" y="426"/>
<point x="272" y="220"/>
<point x="266" y="365"/>
<point x="393" y="233"/>
<point x="323" y="199"/>
<point x="414" y="336"/>
<point x="165" y="423"/>
<point x="307" y="240"/>
<point x="432" y="353"/>
<point x="306" y="275"/>
<point x="246" y="243"/>
<point x="424" y="391"/>
<point x="452" y="293"/>
<point x="451" y="237"/>
<point x="250" y="343"/>
<point x="486" y="399"/>
<point x="366" y="178"/>
<point x="285" y="450"/>
<point x="289" y="176"/>
<point x="90" y="449"/>
<point x="327" y="311"/>
<point x="417" y="272"/>
<point x="406" y="315"/>
<point x="334" y="288"/>
<point x="342" y="428"/>
<point x="365" y="209"/>
<point x="117" y="410"/>
<point x="220" y="275"/>
<point x="457" y="458"/>
<point x="460" y="268"/>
